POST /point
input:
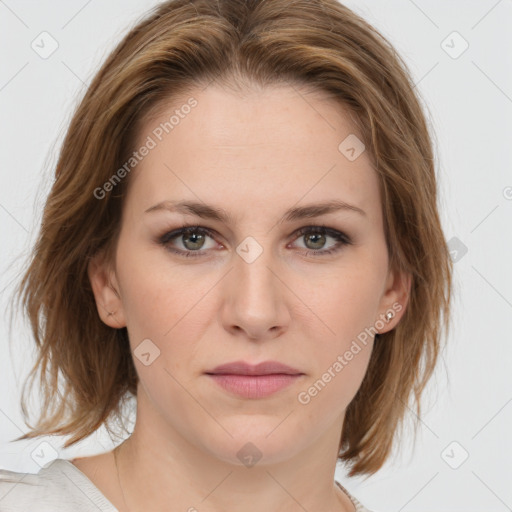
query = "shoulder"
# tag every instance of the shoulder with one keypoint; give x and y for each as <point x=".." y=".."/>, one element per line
<point x="58" y="486"/>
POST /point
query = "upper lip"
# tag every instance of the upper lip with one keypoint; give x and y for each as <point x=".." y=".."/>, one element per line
<point x="264" y="368"/>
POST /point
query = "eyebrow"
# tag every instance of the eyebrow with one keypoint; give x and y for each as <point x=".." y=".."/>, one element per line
<point x="206" y="211"/>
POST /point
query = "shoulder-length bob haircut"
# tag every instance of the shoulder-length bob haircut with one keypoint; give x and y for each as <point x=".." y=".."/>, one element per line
<point x="85" y="367"/>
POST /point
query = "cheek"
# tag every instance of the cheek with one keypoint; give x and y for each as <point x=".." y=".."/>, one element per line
<point x="341" y="325"/>
<point x="344" y="302"/>
<point x="339" y="361"/>
<point x="162" y="302"/>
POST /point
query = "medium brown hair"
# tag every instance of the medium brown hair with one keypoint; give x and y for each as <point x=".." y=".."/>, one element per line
<point x="85" y="367"/>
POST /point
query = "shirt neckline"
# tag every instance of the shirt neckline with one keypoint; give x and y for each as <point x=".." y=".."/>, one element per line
<point x="357" y="505"/>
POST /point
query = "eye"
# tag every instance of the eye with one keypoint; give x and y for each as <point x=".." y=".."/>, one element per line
<point x="315" y="237"/>
<point x="191" y="238"/>
<point x="194" y="238"/>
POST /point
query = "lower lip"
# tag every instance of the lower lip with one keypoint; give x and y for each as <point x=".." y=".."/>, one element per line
<point x="254" y="386"/>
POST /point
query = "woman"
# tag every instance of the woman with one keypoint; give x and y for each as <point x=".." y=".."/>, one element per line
<point x="242" y="234"/>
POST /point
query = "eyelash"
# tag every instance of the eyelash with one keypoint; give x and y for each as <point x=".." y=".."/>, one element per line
<point x="341" y="238"/>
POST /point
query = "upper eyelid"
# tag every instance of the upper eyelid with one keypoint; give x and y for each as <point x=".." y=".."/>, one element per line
<point x="199" y="227"/>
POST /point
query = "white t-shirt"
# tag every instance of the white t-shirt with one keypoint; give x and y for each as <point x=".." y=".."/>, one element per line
<point x="61" y="487"/>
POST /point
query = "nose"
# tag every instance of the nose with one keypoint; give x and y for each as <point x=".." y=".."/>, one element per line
<point x="254" y="303"/>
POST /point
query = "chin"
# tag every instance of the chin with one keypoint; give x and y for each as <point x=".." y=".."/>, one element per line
<point x="254" y="442"/>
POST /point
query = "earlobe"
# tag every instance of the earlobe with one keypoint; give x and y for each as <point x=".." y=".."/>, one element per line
<point x="105" y="289"/>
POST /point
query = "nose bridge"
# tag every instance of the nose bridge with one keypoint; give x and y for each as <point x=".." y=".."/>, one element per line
<point x="255" y="301"/>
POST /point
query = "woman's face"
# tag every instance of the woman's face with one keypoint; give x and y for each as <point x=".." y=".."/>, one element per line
<point x="247" y="284"/>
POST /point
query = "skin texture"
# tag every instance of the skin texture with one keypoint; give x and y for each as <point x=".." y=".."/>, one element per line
<point x="255" y="155"/>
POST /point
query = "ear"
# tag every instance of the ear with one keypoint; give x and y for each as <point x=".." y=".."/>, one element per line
<point x="394" y="300"/>
<point x="106" y="291"/>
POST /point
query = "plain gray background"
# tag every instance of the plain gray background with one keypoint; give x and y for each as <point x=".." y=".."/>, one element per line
<point x="462" y="459"/>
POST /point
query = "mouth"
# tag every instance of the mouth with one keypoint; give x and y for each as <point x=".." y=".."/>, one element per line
<point x="254" y="381"/>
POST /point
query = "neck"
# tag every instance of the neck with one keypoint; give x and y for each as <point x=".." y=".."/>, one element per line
<point x="156" y="470"/>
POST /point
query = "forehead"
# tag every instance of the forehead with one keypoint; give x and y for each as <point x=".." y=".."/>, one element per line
<point x="267" y="148"/>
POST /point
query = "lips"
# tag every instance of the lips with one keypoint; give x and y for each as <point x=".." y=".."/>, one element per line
<point x="254" y="381"/>
<point x="264" y="368"/>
